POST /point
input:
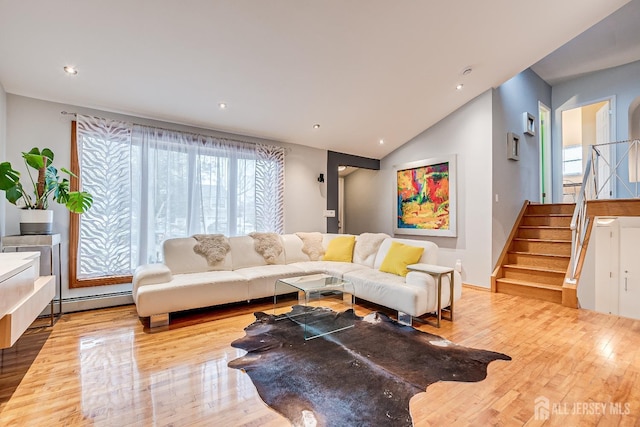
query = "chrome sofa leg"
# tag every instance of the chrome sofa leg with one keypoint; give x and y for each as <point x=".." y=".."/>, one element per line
<point x="157" y="320"/>
<point x="405" y="319"/>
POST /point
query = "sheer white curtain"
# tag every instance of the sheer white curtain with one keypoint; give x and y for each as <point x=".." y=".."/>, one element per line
<point x="163" y="184"/>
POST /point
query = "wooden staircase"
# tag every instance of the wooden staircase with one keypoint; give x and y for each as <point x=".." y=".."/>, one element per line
<point x="536" y="257"/>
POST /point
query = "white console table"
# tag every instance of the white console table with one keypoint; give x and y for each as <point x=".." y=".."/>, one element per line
<point x="40" y="242"/>
<point x="24" y="294"/>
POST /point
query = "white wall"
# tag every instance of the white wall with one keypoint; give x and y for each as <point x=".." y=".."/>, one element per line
<point x="514" y="181"/>
<point x="3" y="145"/>
<point x="32" y="122"/>
<point x="467" y="133"/>
<point x="587" y="284"/>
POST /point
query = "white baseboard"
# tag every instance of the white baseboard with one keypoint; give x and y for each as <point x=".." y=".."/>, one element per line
<point x="93" y="302"/>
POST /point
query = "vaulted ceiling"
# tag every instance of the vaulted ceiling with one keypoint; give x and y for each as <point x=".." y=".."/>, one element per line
<point x="364" y="70"/>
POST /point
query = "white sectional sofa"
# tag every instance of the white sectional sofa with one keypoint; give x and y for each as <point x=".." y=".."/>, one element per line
<point x="187" y="280"/>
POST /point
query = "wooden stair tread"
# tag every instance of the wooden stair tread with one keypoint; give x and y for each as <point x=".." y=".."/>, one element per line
<point x="524" y="239"/>
<point x="530" y="284"/>
<point x="534" y="204"/>
<point x="551" y="214"/>
<point x="534" y="268"/>
<point x="544" y="227"/>
<point x="539" y="254"/>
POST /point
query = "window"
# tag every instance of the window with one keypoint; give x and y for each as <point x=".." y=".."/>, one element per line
<point x="572" y="160"/>
<point x="152" y="184"/>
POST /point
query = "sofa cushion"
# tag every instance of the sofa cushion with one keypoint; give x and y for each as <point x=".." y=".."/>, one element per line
<point x="429" y="256"/>
<point x="214" y="247"/>
<point x="262" y="279"/>
<point x="312" y="244"/>
<point x="188" y="291"/>
<point x="269" y="246"/>
<point x="293" y="249"/>
<point x="367" y="245"/>
<point x="388" y="290"/>
<point x="180" y="257"/>
<point x="399" y="257"/>
<point x="334" y="268"/>
<point x="340" y="249"/>
<point x="243" y="253"/>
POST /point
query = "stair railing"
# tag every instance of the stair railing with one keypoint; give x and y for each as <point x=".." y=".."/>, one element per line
<point x="595" y="186"/>
<point x="579" y="222"/>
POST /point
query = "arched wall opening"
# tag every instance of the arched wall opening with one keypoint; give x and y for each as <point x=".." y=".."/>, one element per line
<point x="634" y="134"/>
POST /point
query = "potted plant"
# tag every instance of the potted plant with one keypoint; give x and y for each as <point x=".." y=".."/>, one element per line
<point x="35" y="217"/>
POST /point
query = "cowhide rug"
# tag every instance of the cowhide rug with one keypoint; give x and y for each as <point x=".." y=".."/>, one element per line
<point x="362" y="376"/>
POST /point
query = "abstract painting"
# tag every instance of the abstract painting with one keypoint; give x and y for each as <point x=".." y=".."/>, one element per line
<point x="425" y="197"/>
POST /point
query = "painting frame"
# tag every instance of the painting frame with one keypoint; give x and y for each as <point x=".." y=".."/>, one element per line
<point x="529" y="124"/>
<point x="433" y="221"/>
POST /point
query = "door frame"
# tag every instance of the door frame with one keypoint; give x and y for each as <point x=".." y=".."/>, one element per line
<point x="557" y="163"/>
<point x="545" y="168"/>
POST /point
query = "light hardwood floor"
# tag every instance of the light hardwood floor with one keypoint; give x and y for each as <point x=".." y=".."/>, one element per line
<point x="102" y="368"/>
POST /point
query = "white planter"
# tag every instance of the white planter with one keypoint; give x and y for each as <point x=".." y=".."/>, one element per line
<point x="36" y="221"/>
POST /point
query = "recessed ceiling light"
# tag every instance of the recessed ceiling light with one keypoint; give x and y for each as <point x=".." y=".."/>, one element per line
<point x="71" y="70"/>
<point x="460" y="86"/>
<point x="381" y="141"/>
<point x="467" y="71"/>
<point x="316" y="126"/>
<point x="222" y="105"/>
<point x="341" y="168"/>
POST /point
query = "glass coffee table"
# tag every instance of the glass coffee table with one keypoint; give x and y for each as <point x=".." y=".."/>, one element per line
<point x="309" y="312"/>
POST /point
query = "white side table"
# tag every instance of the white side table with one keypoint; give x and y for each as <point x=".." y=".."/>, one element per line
<point x="38" y="242"/>
<point x="437" y="271"/>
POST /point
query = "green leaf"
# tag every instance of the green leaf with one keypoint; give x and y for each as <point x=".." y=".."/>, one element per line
<point x="51" y="178"/>
<point x="34" y="160"/>
<point x="14" y="193"/>
<point x="61" y="194"/>
<point x="68" y="172"/>
<point x="79" y="202"/>
<point x="46" y="152"/>
<point x="8" y="176"/>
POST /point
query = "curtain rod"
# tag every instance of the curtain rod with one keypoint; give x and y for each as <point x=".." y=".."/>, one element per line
<point x="286" y="149"/>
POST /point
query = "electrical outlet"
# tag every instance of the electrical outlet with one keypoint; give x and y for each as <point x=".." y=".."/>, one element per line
<point x="329" y="213"/>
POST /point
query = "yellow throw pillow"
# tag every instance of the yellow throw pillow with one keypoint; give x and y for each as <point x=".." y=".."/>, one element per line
<point x="399" y="256"/>
<point x="340" y="249"/>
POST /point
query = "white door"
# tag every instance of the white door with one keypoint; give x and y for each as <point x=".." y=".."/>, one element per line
<point x="341" y="205"/>
<point x="606" y="263"/>
<point x="629" y="288"/>
<point x="605" y="162"/>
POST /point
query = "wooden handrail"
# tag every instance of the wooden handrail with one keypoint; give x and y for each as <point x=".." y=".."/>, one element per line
<point x="507" y="245"/>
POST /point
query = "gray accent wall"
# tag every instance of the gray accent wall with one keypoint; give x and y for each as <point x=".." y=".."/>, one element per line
<point x="334" y="160"/>
<point x="514" y="181"/>
<point x="359" y="210"/>
<point x="466" y="133"/>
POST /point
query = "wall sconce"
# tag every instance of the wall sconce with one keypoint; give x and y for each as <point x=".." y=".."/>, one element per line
<point x="321" y="178"/>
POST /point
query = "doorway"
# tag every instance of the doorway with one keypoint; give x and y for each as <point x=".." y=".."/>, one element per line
<point x="343" y="172"/>
<point x="544" y="150"/>
<point x="583" y="127"/>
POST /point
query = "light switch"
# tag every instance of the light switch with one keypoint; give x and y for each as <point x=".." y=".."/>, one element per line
<point x="329" y="213"/>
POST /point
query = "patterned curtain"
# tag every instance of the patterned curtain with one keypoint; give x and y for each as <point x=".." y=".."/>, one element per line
<point x="151" y="184"/>
<point x="105" y="238"/>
